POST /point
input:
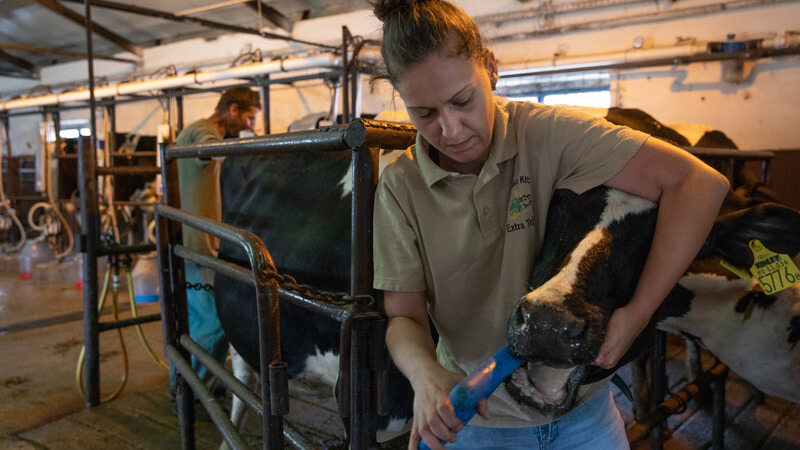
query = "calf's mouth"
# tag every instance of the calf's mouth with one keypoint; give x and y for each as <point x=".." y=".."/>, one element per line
<point x="549" y="389"/>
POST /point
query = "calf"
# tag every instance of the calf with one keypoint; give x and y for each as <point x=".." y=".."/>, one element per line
<point x="594" y="249"/>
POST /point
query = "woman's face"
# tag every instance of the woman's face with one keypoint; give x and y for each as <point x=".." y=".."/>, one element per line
<point x="449" y="100"/>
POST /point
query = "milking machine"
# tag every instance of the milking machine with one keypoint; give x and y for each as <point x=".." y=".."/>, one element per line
<point x="112" y="274"/>
<point x="140" y="277"/>
<point x="8" y="216"/>
<point x="50" y="222"/>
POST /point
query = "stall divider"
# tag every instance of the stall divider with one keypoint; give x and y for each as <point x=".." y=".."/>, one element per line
<point x="363" y="359"/>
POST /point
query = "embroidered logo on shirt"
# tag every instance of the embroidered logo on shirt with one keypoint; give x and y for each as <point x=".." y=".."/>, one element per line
<point x="520" y="205"/>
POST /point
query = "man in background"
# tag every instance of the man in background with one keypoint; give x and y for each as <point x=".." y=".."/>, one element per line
<point x="199" y="185"/>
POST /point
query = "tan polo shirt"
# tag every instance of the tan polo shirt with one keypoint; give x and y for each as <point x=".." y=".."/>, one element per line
<point x="469" y="241"/>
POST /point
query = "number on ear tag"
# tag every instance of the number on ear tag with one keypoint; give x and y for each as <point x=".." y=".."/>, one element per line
<point x="774" y="272"/>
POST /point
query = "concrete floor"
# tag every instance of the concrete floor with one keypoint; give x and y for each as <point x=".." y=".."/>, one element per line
<point x="41" y="334"/>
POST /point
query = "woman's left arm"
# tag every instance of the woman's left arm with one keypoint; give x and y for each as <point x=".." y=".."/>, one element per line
<point x="689" y="194"/>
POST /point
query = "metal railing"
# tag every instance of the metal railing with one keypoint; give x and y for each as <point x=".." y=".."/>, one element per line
<point x="363" y="360"/>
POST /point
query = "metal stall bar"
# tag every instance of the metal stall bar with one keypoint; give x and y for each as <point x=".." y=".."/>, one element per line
<point x="87" y="179"/>
<point x="676" y="402"/>
<point x="658" y="383"/>
<point x="129" y="170"/>
<point x="265" y="97"/>
<point x="268" y="328"/>
<point x="726" y="160"/>
<point x="346" y="38"/>
<point x="5" y="121"/>
<point x="325" y="139"/>
<point x="359" y="326"/>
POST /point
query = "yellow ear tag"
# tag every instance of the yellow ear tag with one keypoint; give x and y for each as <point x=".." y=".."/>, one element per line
<point x="741" y="273"/>
<point x="774" y="272"/>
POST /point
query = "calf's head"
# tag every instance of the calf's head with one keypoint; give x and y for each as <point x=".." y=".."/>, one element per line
<point x="594" y="250"/>
<point x="595" y="246"/>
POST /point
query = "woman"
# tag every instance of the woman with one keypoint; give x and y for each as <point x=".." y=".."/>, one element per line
<point x="448" y="245"/>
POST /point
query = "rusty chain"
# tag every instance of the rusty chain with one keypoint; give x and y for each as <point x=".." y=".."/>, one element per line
<point x="199" y="286"/>
<point x="288" y="283"/>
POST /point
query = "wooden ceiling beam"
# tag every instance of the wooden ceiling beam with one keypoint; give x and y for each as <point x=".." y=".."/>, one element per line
<point x="24" y="65"/>
<point x="55" y="51"/>
<point x="7" y="6"/>
<point x="273" y="15"/>
<point x="71" y="15"/>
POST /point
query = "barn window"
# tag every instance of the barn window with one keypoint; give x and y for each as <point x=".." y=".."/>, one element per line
<point x="575" y="89"/>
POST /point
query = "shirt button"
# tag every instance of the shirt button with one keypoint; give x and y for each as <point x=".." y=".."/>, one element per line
<point x="485" y="211"/>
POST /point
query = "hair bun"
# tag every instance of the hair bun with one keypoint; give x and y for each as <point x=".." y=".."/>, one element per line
<point x="388" y="9"/>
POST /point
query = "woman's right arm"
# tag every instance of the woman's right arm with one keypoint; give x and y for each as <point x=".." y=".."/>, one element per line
<point x="408" y="337"/>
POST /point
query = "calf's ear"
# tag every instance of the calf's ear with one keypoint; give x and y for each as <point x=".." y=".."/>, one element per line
<point x="776" y="226"/>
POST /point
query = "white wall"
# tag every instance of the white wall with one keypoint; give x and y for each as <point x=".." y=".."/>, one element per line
<point x="762" y="112"/>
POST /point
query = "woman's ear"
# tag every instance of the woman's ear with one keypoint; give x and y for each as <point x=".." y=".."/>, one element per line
<point x="491" y="68"/>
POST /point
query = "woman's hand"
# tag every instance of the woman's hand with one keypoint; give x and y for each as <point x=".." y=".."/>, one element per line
<point x="623" y="328"/>
<point x="408" y="336"/>
<point x="434" y="416"/>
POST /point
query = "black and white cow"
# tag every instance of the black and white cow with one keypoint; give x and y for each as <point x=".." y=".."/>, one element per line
<point x="299" y="205"/>
<point x="594" y="250"/>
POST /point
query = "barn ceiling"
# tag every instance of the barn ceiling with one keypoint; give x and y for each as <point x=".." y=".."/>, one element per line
<point x="37" y="33"/>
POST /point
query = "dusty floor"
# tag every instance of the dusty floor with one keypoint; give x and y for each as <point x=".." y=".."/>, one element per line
<point x="41" y="333"/>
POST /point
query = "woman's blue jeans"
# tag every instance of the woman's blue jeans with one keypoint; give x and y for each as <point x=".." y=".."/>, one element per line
<point x="595" y="425"/>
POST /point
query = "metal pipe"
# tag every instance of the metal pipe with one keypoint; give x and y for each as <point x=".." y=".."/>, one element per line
<point x="319" y="61"/>
<point x="104" y="326"/>
<point x="365" y="178"/>
<point x="206" y="397"/>
<point x="237" y="387"/>
<point x="366" y="133"/>
<point x="359" y="133"/>
<point x="345" y="78"/>
<point x="56" y="114"/>
<point x="295" y="439"/>
<point x="718" y="416"/>
<point x="323" y="139"/>
<point x="362" y="398"/>
<point x="89" y="220"/>
<point x="265" y="100"/>
<point x="550" y="9"/>
<point x="125" y="249"/>
<point x="648" y="17"/>
<point x="8" y="136"/>
<point x="674" y="403"/>
<point x="658" y="381"/>
<point x="174" y="308"/>
<point x="181" y="90"/>
<point x="266" y="303"/>
<point x="179" y="107"/>
<point x="675" y="60"/>
<point x="129" y="170"/>
<point x="702" y="152"/>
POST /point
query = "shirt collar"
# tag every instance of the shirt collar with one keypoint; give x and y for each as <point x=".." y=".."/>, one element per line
<point x="500" y="150"/>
